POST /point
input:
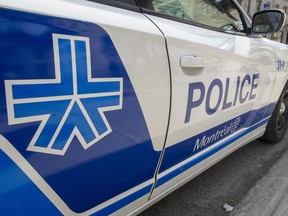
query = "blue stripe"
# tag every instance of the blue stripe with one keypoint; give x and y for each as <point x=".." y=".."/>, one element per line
<point x="185" y="149"/>
<point x="207" y="154"/>
<point x="140" y="193"/>
<point x="123" y="202"/>
<point x="146" y="190"/>
<point x="18" y="194"/>
<point x="87" y="177"/>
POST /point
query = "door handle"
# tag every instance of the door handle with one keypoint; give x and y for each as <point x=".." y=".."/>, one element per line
<point x="190" y="61"/>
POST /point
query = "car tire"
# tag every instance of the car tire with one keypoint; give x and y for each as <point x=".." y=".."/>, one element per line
<point x="278" y="123"/>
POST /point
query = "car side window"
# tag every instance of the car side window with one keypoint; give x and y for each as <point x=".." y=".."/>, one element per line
<point x="221" y="14"/>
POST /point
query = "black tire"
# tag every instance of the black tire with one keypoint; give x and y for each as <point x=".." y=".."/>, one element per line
<point x="278" y="123"/>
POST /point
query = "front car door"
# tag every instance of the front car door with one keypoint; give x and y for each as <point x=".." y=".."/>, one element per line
<point x="221" y="84"/>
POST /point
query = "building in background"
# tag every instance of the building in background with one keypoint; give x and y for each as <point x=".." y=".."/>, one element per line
<point x="253" y="6"/>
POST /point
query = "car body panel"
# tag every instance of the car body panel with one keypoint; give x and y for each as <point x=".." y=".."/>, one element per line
<point x="218" y="101"/>
<point x="85" y="163"/>
<point x="96" y="114"/>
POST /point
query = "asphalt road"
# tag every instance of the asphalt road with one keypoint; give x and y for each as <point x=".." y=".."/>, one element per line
<point x="226" y="182"/>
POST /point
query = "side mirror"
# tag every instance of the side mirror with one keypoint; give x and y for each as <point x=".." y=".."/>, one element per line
<point x="268" y="21"/>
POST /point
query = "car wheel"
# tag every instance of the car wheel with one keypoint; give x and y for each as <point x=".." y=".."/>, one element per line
<point x="278" y="123"/>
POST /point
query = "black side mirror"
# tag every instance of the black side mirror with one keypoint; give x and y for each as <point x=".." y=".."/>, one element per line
<point x="268" y="21"/>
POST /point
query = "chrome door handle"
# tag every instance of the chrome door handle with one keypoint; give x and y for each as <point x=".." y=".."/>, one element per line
<point x="190" y="61"/>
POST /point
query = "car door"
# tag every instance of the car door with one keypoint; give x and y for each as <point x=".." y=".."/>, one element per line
<point x="85" y="97"/>
<point x="221" y="84"/>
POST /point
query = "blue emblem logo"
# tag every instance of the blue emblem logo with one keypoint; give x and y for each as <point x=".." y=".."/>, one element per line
<point x="73" y="104"/>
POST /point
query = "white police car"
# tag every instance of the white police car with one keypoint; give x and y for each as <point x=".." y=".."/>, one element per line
<point x="108" y="106"/>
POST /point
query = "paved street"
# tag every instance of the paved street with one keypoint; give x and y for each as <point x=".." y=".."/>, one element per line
<point x="226" y="182"/>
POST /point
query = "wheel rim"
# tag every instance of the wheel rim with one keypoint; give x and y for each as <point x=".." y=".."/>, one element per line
<point x="283" y="111"/>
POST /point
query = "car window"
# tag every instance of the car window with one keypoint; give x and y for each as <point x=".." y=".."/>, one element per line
<point x="220" y="14"/>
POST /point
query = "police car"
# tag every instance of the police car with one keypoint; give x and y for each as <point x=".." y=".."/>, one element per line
<point x="108" y="106"/>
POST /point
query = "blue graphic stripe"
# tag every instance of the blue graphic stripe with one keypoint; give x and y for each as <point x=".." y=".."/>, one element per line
<point x="19" y="195"/>
<point x="75" y="119"/>
<point x="24" y="91"/>
<point x="140" y="193"/>
<point x="87" y="177"/>
<point x="92" y="106"/>
<point x="57" y="108"/>
<point x="191" y="146"/>
<point x="85" y="87"/>
<point x="144" y="191"/>
<point x="123" y="202"/>
<point x="65" y="55"/>
<point x="207" y="154"/>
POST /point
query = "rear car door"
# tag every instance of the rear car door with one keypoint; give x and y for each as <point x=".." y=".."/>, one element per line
<point x="85" y="96"/>
<point x="221" y="83"/>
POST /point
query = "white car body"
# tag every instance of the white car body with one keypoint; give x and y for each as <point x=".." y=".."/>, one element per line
<point x="201" y="94"/>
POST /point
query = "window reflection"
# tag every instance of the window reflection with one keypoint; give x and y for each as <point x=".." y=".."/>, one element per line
<point x="215" y="13"/>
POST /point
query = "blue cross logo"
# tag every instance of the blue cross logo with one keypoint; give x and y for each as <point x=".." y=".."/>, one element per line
<point x="71" y="105"/>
